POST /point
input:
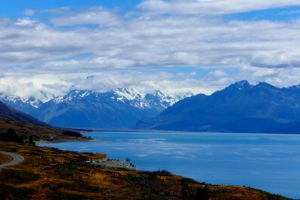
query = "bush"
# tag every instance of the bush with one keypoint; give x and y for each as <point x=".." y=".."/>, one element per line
<point x="11" y="136"/>
<point x="72" y="133"/>
<point x="11" y="192"/>
<point x="162" y="172"/>
<point x="18" y="176"/>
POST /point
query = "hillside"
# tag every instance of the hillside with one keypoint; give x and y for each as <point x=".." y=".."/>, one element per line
<point x="27" y="126"/>
<point x="9" y="113"/>
<point x="37" y="132"/>
<point x="241" y="107"/>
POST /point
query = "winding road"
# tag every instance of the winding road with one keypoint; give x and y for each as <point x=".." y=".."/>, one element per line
<point x="16" y="159"/>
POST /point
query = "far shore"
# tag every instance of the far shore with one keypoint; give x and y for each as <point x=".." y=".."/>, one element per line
<point x="95" y="130"/>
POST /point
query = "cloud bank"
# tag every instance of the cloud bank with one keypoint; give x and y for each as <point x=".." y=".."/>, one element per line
<point x="174" y="45"/>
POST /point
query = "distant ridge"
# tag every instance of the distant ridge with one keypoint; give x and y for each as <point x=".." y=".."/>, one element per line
<point x="241" y="107"/>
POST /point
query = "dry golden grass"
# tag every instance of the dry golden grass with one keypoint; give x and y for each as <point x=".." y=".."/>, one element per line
<point x="54" y="174"/>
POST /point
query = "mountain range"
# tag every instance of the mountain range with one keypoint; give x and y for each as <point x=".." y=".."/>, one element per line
<point x="241" y="107"/>
<point x="120" y="108"/>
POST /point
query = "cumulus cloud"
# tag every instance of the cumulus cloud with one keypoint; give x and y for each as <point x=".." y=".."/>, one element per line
<point x="98" y="16"/>
<point x="145" y="47"/>
<point x="42" y="87"/>
<point x="25" y="22"/>
<point x="46" y="86"/>
<point x="154" y="42"/>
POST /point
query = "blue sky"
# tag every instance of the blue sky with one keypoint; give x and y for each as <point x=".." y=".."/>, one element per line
<point x="15" y="8"/>
<point x="49" y="47"/>
<point x="274" y="14"/>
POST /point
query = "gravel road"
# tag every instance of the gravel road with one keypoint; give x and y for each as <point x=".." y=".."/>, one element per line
<point x="16" y="159"/>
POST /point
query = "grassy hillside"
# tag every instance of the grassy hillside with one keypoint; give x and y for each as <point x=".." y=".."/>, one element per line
<point x="54" y="174"/>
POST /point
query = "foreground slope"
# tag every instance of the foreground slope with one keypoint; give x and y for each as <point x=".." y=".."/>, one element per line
<point x="53" y="174"/>
<point x="241" y="107"/>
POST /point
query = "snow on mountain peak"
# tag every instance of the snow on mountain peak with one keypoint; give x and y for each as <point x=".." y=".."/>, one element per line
<point x="128" y="93"/>
<point x="73" y="94"/>
<point x="131" y="96"/>
<point x="19" y="100"/>
<point x="145" y="99"/>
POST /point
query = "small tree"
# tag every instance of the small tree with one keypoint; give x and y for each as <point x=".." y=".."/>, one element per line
<point x="21" y="139"/>
<point x="31" y="141"/>
<point x="11" y="135"/>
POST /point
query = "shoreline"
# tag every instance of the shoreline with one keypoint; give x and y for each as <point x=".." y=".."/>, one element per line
<point x="249" y="185"/>
<point x="58" y="141"/>
<point x="113" y="163"/>
<point x="71" y="166"/>
<point x="177" y="131"/>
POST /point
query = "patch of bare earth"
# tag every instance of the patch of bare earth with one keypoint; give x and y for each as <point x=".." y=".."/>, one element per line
<point x="4" y="158"/>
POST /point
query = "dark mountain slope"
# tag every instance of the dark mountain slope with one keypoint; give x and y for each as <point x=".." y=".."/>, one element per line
<point x="26" y="126"/>
<point x="241" y="107"/>
<point x="9" y="113"/>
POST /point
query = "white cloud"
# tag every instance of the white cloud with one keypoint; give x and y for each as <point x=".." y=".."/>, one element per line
<point x="29" y="12"/>
<point x="25" y="22"/>
<point x="43" y="87"/>
<point x="98" y="16"/>
<point x="145" y="49"/>
<point x="209" y="7"/>
<point x="155" y="42"/>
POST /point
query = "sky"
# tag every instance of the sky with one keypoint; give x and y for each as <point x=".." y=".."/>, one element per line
<point x="52" y="46"/>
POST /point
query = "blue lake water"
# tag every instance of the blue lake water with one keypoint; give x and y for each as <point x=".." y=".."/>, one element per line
<point x="264" y="161"/>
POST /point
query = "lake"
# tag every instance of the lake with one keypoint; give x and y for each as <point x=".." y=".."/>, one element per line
<point x="264" y="161"/>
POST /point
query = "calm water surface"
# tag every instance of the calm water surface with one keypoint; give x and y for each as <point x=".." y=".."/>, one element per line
<point x="264" y="161"/>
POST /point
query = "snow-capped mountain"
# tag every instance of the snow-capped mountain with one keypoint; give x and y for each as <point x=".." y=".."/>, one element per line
<point x="125" y="95"/>
<point x="26" y="105"/>
<point x="120" y="108"/>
